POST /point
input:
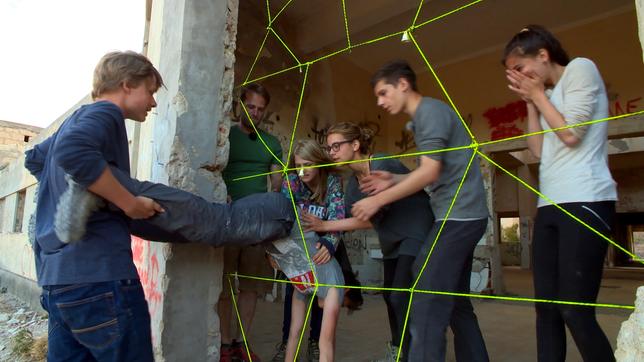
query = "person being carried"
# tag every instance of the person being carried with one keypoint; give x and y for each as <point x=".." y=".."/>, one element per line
<point x="400" y="241"/>
<point x="315" y="191"/>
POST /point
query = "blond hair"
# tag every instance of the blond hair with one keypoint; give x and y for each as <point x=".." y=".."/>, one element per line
<point x="116" y="68"/>
<point x="310" y="150"/>
<point x="353" y="132"/>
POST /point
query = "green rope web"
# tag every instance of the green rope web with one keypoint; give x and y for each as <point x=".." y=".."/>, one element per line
<point x="474" y="146"/>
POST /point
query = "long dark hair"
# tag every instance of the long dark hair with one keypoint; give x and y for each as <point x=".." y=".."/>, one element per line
<point x="533" y="38"/>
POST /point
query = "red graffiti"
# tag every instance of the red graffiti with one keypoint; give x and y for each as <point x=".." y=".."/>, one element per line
<point x="502" y="121"/>
<point x="148" y="268"/>
<point x="631" y="106"/>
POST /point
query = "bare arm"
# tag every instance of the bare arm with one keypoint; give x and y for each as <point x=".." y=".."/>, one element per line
<point x="314" y="223"/>
<point x="427" y="173"/>
<point x="276" y="178"/>
<point x="534" y="142"/>
<point x="136" y="207"/>
<point x="555" y="120"/>
<point x="380" y="180"/>
<point x="532" y="90"/>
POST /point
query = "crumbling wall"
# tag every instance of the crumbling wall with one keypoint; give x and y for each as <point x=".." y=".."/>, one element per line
<point x="630" y="340"/>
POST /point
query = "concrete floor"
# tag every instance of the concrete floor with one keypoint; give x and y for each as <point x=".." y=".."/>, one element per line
<point x="508" y="327"/>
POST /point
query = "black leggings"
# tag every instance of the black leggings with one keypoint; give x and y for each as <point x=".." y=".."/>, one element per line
<point x="397" y="274"/>
<point x="568" y="261"/>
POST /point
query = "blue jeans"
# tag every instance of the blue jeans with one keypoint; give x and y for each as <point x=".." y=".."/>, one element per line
<point x="107" y="321"/>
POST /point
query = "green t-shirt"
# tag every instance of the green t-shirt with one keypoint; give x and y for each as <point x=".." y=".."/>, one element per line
<point x="249" y="157"/>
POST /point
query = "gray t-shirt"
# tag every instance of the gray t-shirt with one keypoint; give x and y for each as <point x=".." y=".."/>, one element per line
<point x="436" y="127"/>
<point x="397" y="235"/>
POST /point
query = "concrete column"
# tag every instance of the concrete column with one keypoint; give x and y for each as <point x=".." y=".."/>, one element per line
<point x="185" y="145"/>
<point x="630" y="340"/>
<point x="488" y="248"/>
<point x="527" y="211"/>
<point x="639" y="5"/>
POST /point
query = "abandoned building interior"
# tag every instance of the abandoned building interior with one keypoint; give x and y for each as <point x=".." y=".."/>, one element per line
<point x="316" y="59"/>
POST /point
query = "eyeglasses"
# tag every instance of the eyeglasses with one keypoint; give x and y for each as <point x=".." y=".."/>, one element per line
<point x="335" y="146"/>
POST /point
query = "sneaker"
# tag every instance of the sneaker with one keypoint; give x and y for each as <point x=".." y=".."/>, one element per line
<point x="313" y="351"/>
<point x="74" y="208"/>
<point x="226" y="353"/>
<point x="240" y="354"/>
<point x="391" y="353"/>
<point x="280" y="353"/>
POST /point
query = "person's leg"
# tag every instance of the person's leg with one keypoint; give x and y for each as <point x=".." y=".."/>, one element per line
<point x="403" y="279"/>
<point x="389" y="270"/>
<point x="468" y="340"/>
<point x="431" y="313"/>
<point x="352" y="297"/>
<point x="551" y="332"/>
<point x="286" y="321"/>
<point x="61" y="344"/>
<point x="316" y="321"/>
<point x="581" y="263"/>
<point x="332" y="304"/>
<point x="298" y="312"/>
<point x="253" y="262"/>
<point x="109" y="319"/>
<point x="224" y="306"/>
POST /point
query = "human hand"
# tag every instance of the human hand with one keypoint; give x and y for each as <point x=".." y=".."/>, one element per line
<point x="142" y="208"/>
<point x="311" y="222"/>
<point x="322" y="256"/>
<point x="376" y="182"/>
<point x="526" y="86"/>
<point x="364" y="209"/>
<point x="272" y="262"/>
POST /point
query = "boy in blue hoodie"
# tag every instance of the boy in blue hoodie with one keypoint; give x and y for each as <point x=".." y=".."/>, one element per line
<point x="91" y="289"/>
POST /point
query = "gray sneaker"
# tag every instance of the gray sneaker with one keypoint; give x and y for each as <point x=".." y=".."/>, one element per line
<point x="391" y="353"/>
<point x="281" y="352"/>
<point x="313" y="351"/>
<point x="74" y="208"/>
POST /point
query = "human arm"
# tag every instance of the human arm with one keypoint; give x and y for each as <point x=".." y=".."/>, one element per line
<point x="313" y="223"/>
<point x="426" y="173"/>
<point x="535" y="142"/>
<point x="135" y="207"/>
<point x="276" y="178"/>
<point x="581" y="90"/>
<point x="35" y="157"/>
<point x="80" y="152"/>
<point x="335" y="210"/>
<point x="379" y="180"/>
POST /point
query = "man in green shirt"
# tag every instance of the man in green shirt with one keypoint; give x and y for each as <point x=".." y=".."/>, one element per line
<point x="248" y="156"/>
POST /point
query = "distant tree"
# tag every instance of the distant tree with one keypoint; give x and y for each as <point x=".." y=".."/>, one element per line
<point x="510" y="234"/>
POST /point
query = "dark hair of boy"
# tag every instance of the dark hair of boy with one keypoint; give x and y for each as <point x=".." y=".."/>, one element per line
<point x="393" y="71"/>
<point x="533" y="38"/>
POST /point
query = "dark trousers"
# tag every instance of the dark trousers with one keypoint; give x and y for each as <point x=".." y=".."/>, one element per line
<point x="568" y="261"/>
<point x="448" y="270"/>
<point x="107" y="321"/>
<point x="397" y="274"/>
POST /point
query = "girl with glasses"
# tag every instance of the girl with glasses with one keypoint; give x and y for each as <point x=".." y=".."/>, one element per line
<point x="400" y="240"/>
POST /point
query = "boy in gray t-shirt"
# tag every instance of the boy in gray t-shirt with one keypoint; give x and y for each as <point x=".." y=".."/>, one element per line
<point x="436" y="127"/>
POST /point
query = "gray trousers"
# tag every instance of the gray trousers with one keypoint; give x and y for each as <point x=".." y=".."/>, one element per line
<point x="251" y="220"/>
<point x="448" y="270"/>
